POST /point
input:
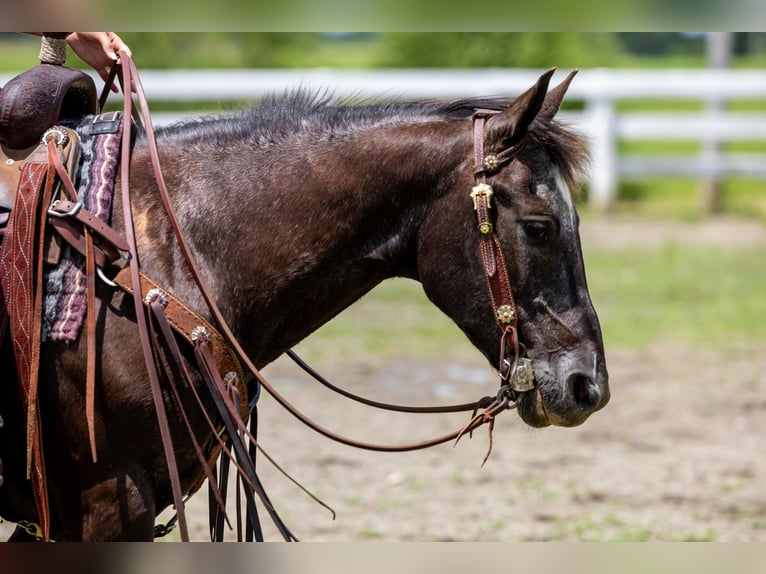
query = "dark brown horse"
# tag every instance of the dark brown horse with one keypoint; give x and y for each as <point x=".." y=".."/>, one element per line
<point x="294" y="210"/>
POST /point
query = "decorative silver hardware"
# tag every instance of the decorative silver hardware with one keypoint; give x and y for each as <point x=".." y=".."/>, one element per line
<point x="9" y="162"/>
<point x="157" y="295"/>
<point x="523" y="377"/>
<point x="481" y="190"/>
<point x="231" y="378"/>
<point x="61" y="136"/>
<point x="201" y="334"/>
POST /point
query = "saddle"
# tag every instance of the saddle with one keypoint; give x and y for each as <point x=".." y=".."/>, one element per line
<point x="39" y="153"/>
<point x="31" y="103"/>
<point x="42" y="96"/>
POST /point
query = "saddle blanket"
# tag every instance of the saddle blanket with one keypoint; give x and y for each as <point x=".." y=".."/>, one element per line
<point x="65" y="286"/>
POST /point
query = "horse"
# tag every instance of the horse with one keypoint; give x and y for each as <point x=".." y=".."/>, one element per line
<point x="295" y="208"/>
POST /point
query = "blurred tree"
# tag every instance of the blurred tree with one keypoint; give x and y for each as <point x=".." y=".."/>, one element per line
<point x="219" y="49"/>
<point x="502" y="49"/>
<point x="427" y="49"/>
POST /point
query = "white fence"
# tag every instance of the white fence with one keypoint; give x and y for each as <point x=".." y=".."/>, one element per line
<point x="600" y="120"/>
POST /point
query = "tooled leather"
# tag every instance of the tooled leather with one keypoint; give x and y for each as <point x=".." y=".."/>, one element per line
<point x="183" y="320"/>
<point x="16" y="267"/>
<point x="36" y="99"/>
<point x="16" y="277"/>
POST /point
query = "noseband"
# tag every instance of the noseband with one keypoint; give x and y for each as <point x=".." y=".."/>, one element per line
<point x="515" y="371"/>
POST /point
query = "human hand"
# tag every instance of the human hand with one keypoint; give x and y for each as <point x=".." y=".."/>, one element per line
<point x="100" y="50"/>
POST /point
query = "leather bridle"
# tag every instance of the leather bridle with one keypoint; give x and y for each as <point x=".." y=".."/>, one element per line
<point x="514" y="369"/>
<point x="218" y="339"/>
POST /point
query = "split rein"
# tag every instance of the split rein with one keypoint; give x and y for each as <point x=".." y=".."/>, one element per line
<point x="515" y="371"/>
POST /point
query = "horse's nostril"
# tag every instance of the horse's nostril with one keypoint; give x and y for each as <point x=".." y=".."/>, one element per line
<point x="584" y="390"/>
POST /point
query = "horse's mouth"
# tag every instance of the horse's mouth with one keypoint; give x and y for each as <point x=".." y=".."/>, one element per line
<point x="531" y="409"/>
<point x="538" y="410"/>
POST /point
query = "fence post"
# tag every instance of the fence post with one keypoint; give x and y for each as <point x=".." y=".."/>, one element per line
<point x="603" y="149"/>
<point x="719" y="46"/>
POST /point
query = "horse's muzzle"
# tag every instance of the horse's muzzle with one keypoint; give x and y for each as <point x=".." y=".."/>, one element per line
<point x="567" y="399"/>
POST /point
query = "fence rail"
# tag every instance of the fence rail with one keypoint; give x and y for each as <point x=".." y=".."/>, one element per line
<point x="600" y="119"/>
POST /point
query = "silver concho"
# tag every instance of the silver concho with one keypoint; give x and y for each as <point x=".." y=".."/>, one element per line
<point x="60" y="135"/>
<point x="157" y="294"/>
<point x="201" y="334"/>
<point x="523" y="377"/>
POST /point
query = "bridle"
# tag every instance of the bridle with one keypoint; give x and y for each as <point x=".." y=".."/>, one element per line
<point x="516" y="372"/>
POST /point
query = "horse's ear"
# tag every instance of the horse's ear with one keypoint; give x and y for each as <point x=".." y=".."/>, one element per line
<point x="511" y="125"/>
<point x="555" y="96"/>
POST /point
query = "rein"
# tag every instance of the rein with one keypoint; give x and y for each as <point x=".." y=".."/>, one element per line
<point x="221" y="360"/>
<point x="507" y="307"/>
<point x="516" y="373"/>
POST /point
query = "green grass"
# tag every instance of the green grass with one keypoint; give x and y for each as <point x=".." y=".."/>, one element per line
<point x="700" y="295"/>
<point x="395" y="319"/>
<point x="612" y="528"/>
<point x="703" y="295"/>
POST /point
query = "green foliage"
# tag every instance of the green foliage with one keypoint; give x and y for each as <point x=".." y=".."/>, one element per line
<point x="220" y="49"/>
<point x="164" y="50"/>
<point x="507" y="49"/>
<point x="440" y="49"/>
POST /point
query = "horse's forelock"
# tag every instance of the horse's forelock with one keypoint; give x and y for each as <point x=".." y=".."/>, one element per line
<point x="567" y="148"/>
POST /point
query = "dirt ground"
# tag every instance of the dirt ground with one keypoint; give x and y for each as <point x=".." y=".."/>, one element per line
<point x="678" y="454"/>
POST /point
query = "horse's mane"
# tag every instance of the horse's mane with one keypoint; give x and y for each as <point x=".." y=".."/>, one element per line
<point x="319" y="115"/>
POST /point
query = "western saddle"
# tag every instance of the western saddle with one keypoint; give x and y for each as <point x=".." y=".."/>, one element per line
<point x="31" y="103"/>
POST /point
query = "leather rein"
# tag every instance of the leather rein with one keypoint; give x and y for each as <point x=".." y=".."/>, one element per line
<point x="515" y="371"/>
<point x="221" y="359"/>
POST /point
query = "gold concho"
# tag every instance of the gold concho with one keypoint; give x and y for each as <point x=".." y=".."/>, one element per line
<point x="491" y="163"/>
<point x="505" y="314"/>
<point x="485" y="228"/>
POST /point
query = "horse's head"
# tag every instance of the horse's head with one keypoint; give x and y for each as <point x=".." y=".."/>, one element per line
<point x="533" y="218"/>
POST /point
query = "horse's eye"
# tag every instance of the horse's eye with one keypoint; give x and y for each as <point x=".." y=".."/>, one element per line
<point x="537" y="231"/>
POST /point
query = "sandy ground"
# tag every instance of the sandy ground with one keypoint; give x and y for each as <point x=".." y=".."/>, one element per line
<point x="678" y="454"/>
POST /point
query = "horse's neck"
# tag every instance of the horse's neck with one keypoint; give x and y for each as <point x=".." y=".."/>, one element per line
<point x="290" y="246"/>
